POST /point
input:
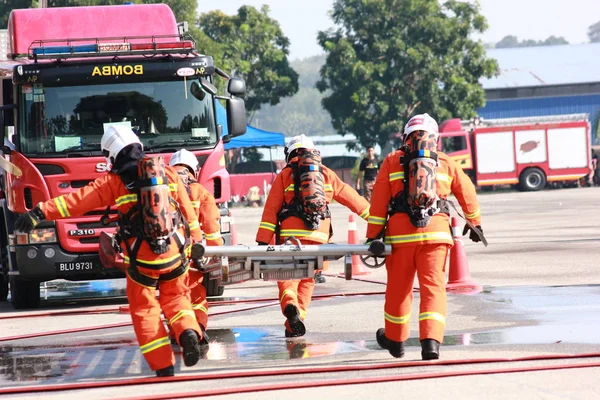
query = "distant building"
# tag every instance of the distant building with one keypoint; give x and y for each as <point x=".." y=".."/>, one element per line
<point x="545" y="80"/>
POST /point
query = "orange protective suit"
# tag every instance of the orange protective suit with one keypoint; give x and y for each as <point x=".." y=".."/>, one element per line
<point x="208" y="214"/>
<point x="168" y="269"/>
<point x="299" y="292"/>
<point x="420" y="250"/>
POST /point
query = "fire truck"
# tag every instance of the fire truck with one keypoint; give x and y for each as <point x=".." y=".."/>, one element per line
<point x="69" y="73"/>
<point x="526" y="152"/>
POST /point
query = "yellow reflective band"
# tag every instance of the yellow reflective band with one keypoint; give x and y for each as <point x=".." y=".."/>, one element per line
<point x="160" y="261"/>
<point x="377" y="220"/>
<point x="128" y="198"/>
<point x="213" y="236"/>
<point x="365" y="213"/>
<point x="194" y="225"/>
<point x="181" y="314"/>
<point x="432" y="315"/>
<point x="328" y="187"/>
<point x="394" y="176"/>
<point x="267" y="226"/>
<point x="305" y="234"/>
<point x="443" y="177"/>
<point x="427" y="153"/>
<point x="200" y="307"/>
<point x="476" y="214"/>
<point x="419" y="237"/>
<point x="61" y="205"/>
<point x="172" y="187"/>
<point x="289" y="188"/>
<point x="303" y="314"/>
<point x="155" y="344"/>
<point x="397" y="320"/>
<point x="195" y="204"/>
<point x="289" y="292"/>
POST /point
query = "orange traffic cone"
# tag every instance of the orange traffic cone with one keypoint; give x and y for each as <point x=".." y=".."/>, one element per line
<point x="357" y="264"/>
<point x="459" y="277"/>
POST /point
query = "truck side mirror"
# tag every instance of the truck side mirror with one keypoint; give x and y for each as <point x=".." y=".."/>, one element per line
<point x="236" y="87"/>
<point x="208" y="87"/>
<point x="236" y="116"/>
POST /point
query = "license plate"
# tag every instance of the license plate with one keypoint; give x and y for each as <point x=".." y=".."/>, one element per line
<point x="82" y="232"/>
<point x="77" y="267"/>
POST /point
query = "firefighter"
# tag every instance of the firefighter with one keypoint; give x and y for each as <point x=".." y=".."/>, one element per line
<point x="186" y="164"/>
<point x="145" y="270"/>
<point x="279" y="219"/>
<point x="417" y="249"/>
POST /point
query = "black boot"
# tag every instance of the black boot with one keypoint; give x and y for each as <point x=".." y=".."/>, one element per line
<point x="430" y="349"/>
<point x="396" y="349"/>
<point x="168" y="371"/>
<point x="190" y="345"/>
<point x="296" y="325"/>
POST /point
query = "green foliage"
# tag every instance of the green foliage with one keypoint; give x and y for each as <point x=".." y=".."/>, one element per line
<point x="254" y="48"/>
<point x="594" y="32"/>
<point x="301" y="113"/>
<point x="390" y="59"/>
<point x="510" y="41"/>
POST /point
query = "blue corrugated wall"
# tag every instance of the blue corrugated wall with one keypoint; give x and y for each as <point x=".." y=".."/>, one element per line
<point x="531" y="107"/>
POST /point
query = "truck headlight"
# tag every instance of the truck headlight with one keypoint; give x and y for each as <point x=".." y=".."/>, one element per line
<point x="46" y="235"/>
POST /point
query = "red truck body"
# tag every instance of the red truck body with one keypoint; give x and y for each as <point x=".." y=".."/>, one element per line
<point x="70" y="73"/>
<point x="528" y="152"/>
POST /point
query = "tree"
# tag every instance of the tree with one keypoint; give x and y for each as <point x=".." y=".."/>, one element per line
<point x="301" y="113"/>
<point x="594" y="32"/>
<point x="511" y="41"/>
<point x="254" y="48"/>
<point x="384" y="65"/>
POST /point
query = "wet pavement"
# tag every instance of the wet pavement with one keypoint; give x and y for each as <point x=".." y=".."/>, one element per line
<point x="557" y="314"/>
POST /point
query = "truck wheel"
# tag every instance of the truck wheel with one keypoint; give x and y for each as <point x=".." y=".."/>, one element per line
<point x="24" y="294"/>
<point x="532" y="180"/>
<point x="3" y="286"/>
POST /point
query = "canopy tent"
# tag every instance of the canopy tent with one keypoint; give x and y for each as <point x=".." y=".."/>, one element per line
<point x="253" y="137"/>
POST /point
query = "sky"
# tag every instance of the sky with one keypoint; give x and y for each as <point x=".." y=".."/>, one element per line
<point x="300" y="20"/>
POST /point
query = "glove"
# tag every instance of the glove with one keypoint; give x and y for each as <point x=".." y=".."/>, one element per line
<point x="369" y="240"/>
<point x="262" y="244"/>
<point x="28" y="221"/>
<point x="473" y="236"/>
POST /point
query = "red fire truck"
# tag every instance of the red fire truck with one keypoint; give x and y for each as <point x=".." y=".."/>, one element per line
<point x="526" y="152"/>
<point x="69" y="74"/>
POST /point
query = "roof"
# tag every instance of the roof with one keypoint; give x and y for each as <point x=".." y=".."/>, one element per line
<point x="545" y="65"/>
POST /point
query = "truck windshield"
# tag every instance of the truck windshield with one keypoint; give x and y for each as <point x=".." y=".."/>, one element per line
<point x="63" y="120"/>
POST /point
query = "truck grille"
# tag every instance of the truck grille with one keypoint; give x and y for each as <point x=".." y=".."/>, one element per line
<point x="80" y="184"/>
<point x="95" y="225"/>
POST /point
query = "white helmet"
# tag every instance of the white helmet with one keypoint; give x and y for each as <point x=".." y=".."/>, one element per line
<point x="115" y="139"/>
<point x="297" y="142"/>
<point x="187" y="158"/>
<point x="421" y="122"/>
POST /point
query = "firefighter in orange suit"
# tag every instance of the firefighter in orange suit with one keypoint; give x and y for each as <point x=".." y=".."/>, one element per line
<point x="186" y="164"/>
<point x="421" y="250"/>
<point x="295" y="295"/>
<point x="147" y="270"/>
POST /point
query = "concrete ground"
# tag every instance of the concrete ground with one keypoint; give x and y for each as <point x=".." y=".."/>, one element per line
<point x="540" y="297"/>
